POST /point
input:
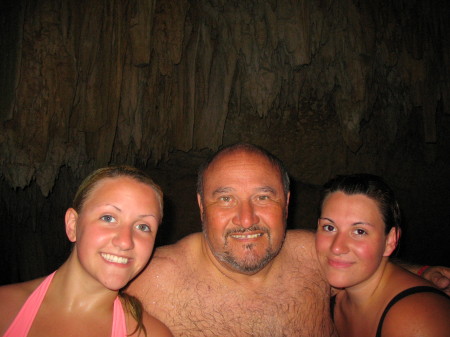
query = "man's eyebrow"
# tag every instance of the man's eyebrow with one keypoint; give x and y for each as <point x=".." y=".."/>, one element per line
<point x="268" y="189"/>
<point x="221" y="190"/>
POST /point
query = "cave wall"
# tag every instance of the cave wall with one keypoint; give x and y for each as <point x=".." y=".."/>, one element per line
<point x="328" y="86"/>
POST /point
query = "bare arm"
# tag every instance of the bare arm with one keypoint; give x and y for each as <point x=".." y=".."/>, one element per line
<point x="419" y="315"/>
<point x="12" y="297"/>
<point x="438" y="275"/>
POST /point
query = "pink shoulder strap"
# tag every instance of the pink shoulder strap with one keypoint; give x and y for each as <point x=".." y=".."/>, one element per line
<point x="119" y="327"/>
<point x="24" y="319"/>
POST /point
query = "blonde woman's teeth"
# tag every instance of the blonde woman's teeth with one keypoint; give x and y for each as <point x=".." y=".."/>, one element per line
<point x="114" y="258"/>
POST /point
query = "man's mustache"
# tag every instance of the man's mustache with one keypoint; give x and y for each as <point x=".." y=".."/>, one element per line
<point x="253" y="228"/>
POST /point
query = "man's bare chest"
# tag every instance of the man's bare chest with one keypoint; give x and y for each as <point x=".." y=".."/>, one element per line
<point x="205" y="309"/>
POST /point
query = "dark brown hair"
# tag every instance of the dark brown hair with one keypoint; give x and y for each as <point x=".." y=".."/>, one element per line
<point x="373" y="187"/>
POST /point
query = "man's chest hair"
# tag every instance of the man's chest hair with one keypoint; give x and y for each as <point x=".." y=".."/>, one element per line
<point x="289" y="307"/>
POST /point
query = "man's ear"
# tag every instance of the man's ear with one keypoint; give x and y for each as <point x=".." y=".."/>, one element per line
<point x="71" y="219"/>
<point x="391" y="241"/>
<point x="200" y="205"/>
<point x="288" y="196"/>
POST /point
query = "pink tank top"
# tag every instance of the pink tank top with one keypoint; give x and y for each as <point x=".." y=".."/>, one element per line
<point x="24" y="319"/>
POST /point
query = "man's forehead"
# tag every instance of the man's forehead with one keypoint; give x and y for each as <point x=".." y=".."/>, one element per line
<point x="242" y="157"/>
<point x="239" y="162"/>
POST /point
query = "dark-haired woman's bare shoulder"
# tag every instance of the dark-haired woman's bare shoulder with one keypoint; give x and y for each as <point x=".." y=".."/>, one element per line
<point x="422" y="314"/>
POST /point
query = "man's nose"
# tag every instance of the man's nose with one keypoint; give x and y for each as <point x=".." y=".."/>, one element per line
<point x="246" y="215"/>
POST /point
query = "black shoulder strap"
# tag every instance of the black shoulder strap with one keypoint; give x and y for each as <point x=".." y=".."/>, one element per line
<point x="404" y="293"/>
<point x="332" y="305"/>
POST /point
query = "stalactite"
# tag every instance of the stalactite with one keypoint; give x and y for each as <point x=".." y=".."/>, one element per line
<point x="93" y="82"/>
<point x="328" y="86"/>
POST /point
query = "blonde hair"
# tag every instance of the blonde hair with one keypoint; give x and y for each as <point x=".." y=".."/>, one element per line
<point x="134" y="307"/>
<point x="98" y="175"/>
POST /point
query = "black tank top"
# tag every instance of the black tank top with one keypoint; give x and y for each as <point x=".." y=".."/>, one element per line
<point x="398" y="297"/>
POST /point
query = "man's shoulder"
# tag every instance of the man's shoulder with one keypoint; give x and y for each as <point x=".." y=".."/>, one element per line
<point x="300" y="236"/>
<point x="300" y="243"/>
<point x="168" y="261"/>
<point x="169" y="268"/>
<point x="182" y="249"/>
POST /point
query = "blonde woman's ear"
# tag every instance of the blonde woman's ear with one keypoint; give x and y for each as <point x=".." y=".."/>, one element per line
<point x="71" y="219"/>
<point x="391" y="241"/>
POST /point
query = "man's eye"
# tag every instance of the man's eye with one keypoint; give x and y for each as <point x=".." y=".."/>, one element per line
<point x="263" y="197"/>
<point x="143" y="227"/>
<point x="108" y="218"/>
<point x="225" y="199"/>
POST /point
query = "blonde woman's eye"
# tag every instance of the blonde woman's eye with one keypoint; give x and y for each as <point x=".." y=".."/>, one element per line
<point x="143" y="227"/>
<point x="108" y="218"/>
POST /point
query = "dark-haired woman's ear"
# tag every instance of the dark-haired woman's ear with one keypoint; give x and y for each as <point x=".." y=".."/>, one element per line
<point x="391" y="241"/>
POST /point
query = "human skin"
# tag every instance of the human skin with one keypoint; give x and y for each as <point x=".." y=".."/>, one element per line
<point x="244" y="220"/>
<point x="353" y="251"/>
<point x="196" y="291"/>
<point x="113" y="238"/>
<point x="116" y="230"/>
<point x="351" y="240"/>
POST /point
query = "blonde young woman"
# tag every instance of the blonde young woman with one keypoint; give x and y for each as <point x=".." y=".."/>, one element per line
<point x="112" y="223"/>
<point x="358" y="229"/>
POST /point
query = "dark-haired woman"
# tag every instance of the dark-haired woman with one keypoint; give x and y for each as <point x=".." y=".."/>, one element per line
<point x="358" y="229"/>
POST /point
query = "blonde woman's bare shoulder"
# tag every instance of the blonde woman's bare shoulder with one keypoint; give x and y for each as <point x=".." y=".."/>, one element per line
<point x="419" y="315"/>
<point x="12" y="298"/>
